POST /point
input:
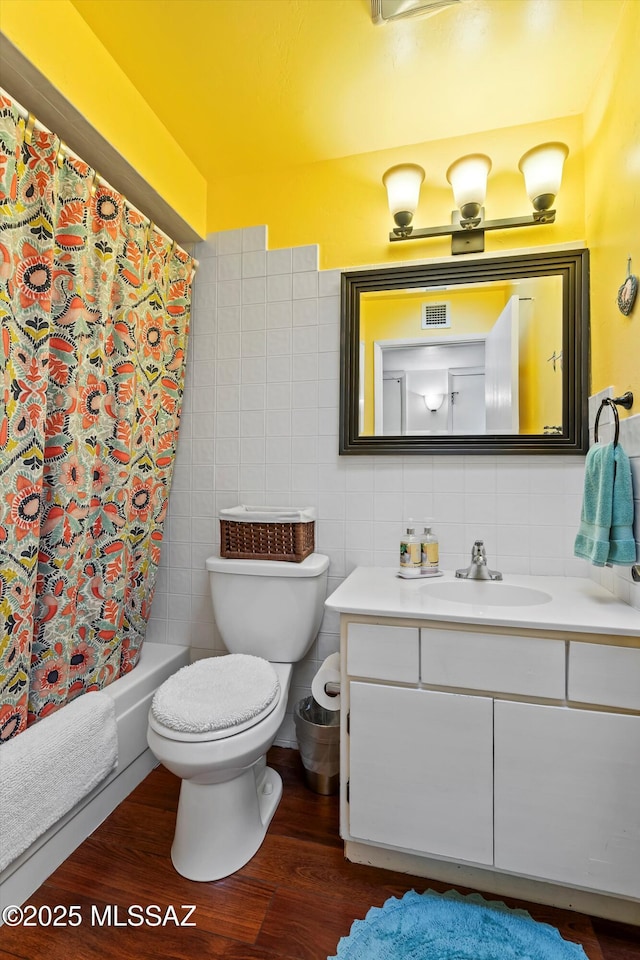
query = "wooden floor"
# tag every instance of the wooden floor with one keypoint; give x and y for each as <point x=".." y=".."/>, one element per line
<point x="293" y="901"/>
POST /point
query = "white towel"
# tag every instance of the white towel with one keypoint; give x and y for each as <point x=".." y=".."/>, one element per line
<point x="51" y="766"/>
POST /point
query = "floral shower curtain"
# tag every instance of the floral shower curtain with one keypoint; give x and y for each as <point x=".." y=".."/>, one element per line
<point x="94" y="306"/>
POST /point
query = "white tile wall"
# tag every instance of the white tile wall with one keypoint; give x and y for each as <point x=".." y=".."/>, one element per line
<point x="260" y="425"/>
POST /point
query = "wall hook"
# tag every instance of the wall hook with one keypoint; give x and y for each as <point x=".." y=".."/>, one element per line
<point x="555" y="358"/>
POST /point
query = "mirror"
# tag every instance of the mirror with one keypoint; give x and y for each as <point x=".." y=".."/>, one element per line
<point x="485" y="356"/>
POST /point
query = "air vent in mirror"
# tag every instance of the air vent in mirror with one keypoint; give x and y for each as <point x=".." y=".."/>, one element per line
<point x="435" y="315"/>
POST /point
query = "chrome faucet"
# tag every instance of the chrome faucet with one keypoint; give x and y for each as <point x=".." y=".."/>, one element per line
<point x="478" y="569"/>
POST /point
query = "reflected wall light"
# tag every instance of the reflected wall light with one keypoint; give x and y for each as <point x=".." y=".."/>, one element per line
<point x="542" y="171"/>
<point x="433" y="401"/>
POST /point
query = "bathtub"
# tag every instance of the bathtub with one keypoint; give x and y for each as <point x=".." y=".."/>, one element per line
<point x="132" y="696"/>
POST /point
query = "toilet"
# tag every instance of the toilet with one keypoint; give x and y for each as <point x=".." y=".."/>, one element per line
<point x="212" y="722"/>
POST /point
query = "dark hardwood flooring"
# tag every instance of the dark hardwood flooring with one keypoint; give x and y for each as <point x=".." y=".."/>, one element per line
<point x="293" y="901"/>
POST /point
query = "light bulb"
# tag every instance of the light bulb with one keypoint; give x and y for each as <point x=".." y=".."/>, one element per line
<point x="403" y="184"/>
<point x="468" y="178"/>
<point x="542" y="171"/>
<point x="433" y="401"/>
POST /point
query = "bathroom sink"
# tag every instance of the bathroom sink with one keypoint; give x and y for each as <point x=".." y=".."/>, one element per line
<point x="486" y="593"/>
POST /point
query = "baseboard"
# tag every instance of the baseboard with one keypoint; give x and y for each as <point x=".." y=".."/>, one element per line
<point x="493" y="881"/>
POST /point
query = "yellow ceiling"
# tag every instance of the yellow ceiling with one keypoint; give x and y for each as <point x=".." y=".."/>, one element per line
<point x="257" y="84"/>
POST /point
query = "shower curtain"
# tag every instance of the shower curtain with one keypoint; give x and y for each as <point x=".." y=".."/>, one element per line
<point x="94" y="305"/>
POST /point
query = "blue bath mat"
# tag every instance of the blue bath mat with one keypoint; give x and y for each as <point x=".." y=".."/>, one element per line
<point x="432" y="926"/>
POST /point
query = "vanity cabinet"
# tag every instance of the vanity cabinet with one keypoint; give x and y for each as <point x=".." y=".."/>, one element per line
<point x="502" y="748"/>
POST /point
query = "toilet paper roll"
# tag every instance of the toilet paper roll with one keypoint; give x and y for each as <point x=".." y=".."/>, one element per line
<point x="329" y="672"/>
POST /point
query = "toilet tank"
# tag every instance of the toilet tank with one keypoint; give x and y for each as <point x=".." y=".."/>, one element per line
<point x="269" y="608"/>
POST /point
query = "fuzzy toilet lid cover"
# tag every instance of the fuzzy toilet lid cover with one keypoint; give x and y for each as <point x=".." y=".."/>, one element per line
<point x="216" y="693"/>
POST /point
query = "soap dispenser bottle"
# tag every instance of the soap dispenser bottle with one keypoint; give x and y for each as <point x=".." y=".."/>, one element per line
<point x="410" y="558"/>
<point x="429" y="553"/>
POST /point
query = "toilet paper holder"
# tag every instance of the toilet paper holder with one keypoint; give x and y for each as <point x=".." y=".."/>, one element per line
<point x="325" y="685"/>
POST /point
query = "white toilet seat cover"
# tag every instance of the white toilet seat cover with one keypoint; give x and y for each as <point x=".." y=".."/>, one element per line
<point x="215" y="694"/>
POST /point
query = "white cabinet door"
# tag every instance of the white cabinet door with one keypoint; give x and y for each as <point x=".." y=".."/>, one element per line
<point x="421" y="771"/>
<point x="567" y="789"/>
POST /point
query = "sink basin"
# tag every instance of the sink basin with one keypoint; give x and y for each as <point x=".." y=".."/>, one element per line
<point x="486" y="593"/>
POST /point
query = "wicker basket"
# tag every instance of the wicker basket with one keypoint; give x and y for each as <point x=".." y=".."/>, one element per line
<point x="249" y="533"/>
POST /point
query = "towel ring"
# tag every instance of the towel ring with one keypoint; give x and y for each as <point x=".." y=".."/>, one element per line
<point x="607" y="403"/>
<point x="626" y="401"/>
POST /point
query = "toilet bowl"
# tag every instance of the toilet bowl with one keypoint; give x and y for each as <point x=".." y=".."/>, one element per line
<point x="212" y="723"/>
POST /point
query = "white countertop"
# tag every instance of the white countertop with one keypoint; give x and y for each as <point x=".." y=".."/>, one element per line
<point x="576" y="604"/>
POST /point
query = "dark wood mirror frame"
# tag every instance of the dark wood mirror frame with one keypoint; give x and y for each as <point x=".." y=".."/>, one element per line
<point x="571" y="265"/>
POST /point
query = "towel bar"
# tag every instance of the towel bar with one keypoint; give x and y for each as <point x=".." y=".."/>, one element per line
<point x="626" y="401"/>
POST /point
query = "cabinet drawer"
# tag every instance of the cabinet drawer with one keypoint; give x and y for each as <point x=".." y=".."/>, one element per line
<point x="499" y="663"/>
<point x="382" y="652"/>
<point x="603" y="674"/>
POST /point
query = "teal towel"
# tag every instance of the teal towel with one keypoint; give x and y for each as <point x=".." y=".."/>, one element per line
<point x="605" y="535"/>
<point x="622" y="544"/>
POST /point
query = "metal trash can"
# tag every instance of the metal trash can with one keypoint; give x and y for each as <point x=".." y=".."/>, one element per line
<point x="318" y="733"/>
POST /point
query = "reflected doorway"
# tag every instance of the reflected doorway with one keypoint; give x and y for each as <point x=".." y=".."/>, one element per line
<point x="457" y="385"/>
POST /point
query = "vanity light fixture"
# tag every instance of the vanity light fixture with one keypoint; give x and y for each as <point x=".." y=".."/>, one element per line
<point x="542" y="171"/>
<point x="433" y="401"/>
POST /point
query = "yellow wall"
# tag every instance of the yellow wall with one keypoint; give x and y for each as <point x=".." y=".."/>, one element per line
<point x="397" y="316"/>
<point x="612" y="191"/>
<point x="540" y="337"/>
<point x="341" y="204"/>
<point x="80" y="68"/>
